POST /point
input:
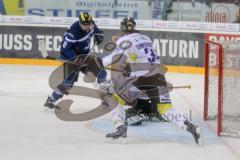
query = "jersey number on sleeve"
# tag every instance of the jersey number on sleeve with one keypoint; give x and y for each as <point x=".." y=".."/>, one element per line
<point x="64" y="44"/>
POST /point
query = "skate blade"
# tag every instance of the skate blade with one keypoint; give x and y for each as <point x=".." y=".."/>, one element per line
<point x="201" y="139"/>
<point x="50" y="110"/>
<point x="47" y="110"/>
<point x="120" y="140"/>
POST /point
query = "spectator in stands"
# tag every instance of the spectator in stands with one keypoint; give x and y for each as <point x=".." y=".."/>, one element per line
<point x="237" y="17"/>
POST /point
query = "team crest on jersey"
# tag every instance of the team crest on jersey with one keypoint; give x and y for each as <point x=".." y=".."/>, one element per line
<point x="110" y="46"/>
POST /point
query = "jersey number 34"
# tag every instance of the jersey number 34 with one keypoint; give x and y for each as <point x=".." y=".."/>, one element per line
<point x="150" y="53"/>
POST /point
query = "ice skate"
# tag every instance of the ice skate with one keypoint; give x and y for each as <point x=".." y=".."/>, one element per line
<point x="120" y="136"/>
<point x="50" y="104"/>
<point x="196" y="132"/>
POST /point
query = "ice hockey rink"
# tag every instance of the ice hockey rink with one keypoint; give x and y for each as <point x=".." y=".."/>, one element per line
<point x="29" y="132"/>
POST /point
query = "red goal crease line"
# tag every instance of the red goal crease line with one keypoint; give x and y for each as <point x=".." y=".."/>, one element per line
<point x="44" y="62"/>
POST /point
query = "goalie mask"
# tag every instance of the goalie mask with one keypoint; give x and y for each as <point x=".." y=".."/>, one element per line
<point x="128" y="25"/>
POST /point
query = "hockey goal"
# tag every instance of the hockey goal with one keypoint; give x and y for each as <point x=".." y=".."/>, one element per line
<point x="222" y="86"/>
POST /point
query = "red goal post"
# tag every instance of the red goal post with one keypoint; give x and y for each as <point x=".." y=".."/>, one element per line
<point x="222" y="86"/>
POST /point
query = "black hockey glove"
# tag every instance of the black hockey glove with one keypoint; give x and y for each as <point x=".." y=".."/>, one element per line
<point x="98" y="38"/>
<point x="79" y="60"/>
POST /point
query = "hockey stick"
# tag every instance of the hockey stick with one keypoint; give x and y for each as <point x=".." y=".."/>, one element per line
<point x="180" y="87"/>
<point x="43" y="50"/>
<point x="123" y="48"/>
<point x="44" y="53"/>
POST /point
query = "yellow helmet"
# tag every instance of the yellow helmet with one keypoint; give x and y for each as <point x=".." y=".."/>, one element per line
<point x="85" y="18"/>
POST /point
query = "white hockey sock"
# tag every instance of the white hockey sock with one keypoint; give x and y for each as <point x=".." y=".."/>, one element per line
<point x="174" y="116"/>
<point x="118" y="116"/>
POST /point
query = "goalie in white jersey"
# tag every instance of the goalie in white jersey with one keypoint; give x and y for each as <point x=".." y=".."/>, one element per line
<point x="141" y="77"/>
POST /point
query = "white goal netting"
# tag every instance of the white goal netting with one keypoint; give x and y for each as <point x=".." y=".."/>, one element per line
<point x="224" y="77"/>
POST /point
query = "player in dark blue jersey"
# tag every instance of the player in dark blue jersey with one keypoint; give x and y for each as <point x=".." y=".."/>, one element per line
<point x="77" y="38"/>
<point x="75" y="48"/>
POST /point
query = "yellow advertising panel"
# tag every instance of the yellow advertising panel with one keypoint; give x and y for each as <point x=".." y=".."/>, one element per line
<point x="12" y="7"/>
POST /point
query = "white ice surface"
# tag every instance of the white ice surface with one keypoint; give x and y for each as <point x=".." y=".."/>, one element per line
<point x="26" y="132"/>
